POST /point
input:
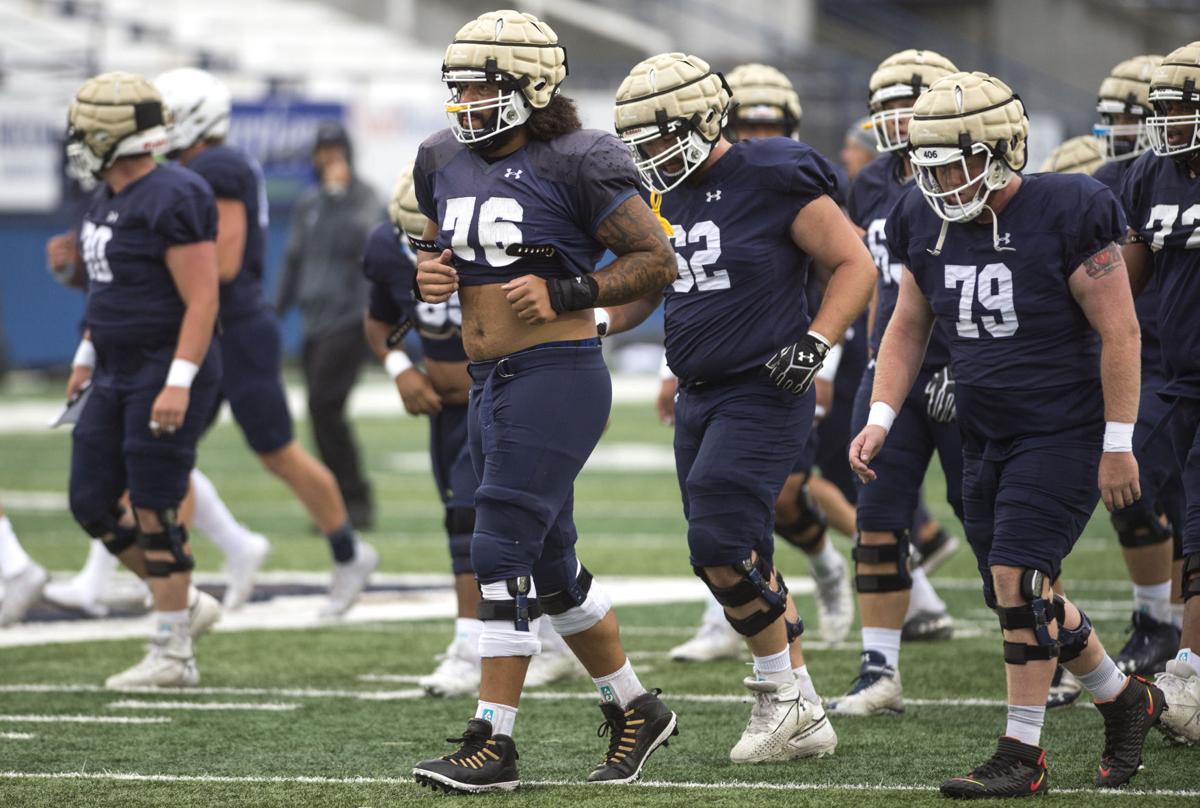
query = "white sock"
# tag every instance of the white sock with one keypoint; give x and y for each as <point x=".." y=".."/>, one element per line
<point x="1105" y="681"/>
<point x="805" y="683"/>
<point x="1154" y="600"/>
<point x="552" y="641"/>
<point x="827" y="563"/>
<point x="713" y="612"/>
<point x="923" y="597"/>
<point x="502" y="716"/>
<point x="13" y="558"/>
<point x="621" y="686"/>
<point x="775" y="667"/>
<point x="96" y="575"/>
<point x="174" y="625"/>
<point x="1186" y="656"/>
<point x="213" y="517"/>
<point x="884" y="640"/>
<point x="1025" y="723"/>
<point x="466" y="632"/>
<point x="1177" y="615"/>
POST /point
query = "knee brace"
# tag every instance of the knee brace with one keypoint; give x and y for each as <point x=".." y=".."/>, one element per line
<point x="1191" y="576"/>
<point x="755" y="584"/>
<point x="1139" y="527"/>
<point x="577" y="608"/>
<point x="521" y="609"/>
<point x="172" y="538"/>
<point x="1071" y="641"/>
<point x="897" y="554"/>
<point x="1038" y="614"/>
<point x="794" y="630"/>
<point x="119" y="538"/>
<point x="809" y="528"/>
<point x="459" y="521"/>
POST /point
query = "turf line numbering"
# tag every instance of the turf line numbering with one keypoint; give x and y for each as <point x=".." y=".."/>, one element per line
<point x="656" y="784"/>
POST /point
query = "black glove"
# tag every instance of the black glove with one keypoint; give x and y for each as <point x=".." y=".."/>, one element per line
<point x="939" y="397"/>
<point x="794" y="367"/>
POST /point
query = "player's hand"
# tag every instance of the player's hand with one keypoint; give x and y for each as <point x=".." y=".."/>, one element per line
<point x="665" y="403"/>
<point x="60" y="250"/>
<point x="530" y="299"/>
<point x="794" y="367"/>
<point x="80" y="376"/>
<point x="417" y="393"/>
<point x="940" y="405"/>
<point x="1119" y="485"/>
<point x="437" y="278"/>
<point x="863" y="449"/>
<point x="169" y="410"/>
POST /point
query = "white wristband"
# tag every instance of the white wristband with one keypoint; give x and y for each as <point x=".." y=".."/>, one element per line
<point x="603" y="321"/>
<point x="882" y="415"/>
<point x="819" y="412"/>
<point x="396" y="362"/>
<point x="1118" y="437"/>
<point x="664" y="370"/>
<point x="829" y="367"/>
<point x="182" y="373"/>
<point x="821" y="337"/>
<point x="85" y="355"/>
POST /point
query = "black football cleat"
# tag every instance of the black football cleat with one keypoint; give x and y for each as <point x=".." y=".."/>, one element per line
<point x="634" y="733"/>
<point x="484" y="762"/>
<point x="1015" y="770"/>
<point x="1149" y="647"/>
<point x="1128" y="719"/>
<point x="928" y="627"/>
<point x="935" y="551"/>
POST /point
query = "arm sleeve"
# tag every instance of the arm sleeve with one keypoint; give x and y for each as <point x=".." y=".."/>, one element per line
<point x="189" y="217"/>
<point x="227" y="178"/>
<point x="606" y="179"/>
<point x="1101" y="224"/>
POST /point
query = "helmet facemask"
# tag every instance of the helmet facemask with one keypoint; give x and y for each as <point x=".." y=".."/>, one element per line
<point x="685" y="146"/>
<point x="886" y="121"/>
<point x="966" y="201"/>
<point x="1172" y="120"/>
<point x="85" y="164"/>
<point x="486" y="118"/>
<point x="1122" y="141"/>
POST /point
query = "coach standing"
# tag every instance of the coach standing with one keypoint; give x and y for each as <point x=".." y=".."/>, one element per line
<point x="321" y="275"/>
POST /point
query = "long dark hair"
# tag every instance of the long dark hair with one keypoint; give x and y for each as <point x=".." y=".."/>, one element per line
<point x="557" y="118"/>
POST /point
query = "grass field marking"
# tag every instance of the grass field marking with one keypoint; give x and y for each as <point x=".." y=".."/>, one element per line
<point x="17" y="736"/>
<point x="654" y="784"/>
<point x="134" y="704"/>
<point x="81" y="719"/>
<point x="393" y="678"/>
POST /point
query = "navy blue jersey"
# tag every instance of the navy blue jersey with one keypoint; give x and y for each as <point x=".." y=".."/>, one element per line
<point x="551" y="193"/>
<point x="1162" y="203"/>
<point x="390" y="266"/>
<point x="132" y="299"/>
<point x="740" y="295"/>
<point x="233" y="174"/>
<point x="1024" y="356"/>
<point x="875" y="192"/>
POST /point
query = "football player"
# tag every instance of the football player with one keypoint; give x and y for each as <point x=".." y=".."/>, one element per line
<point x="1024" y="272"/>
<point x="21" y="576"/>
<point x="747" y="220"/>
<point x="250" y="342"/>
<point x="439" y="391"/>
<point x="895" y="597"/>
<point x="1161" y="196"/>
<point x="149" y="243"/>
<point x="521" y="203"/>
<point x="1077" y="155"/>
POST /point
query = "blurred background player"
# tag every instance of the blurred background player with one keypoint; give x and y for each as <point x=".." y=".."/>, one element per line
<point x="895" y="597"/>
<point x="858" y="147"/>
<point x="1161" y="195"/>
<point x="747" y="218"/>
<point x="321" y="274"/>
<point x="149" y="244"/>
<point x="251" y="348"/>
<point x="439" y="390"/>
<point x="522" y="202"/>
<point x="21" y="578"/>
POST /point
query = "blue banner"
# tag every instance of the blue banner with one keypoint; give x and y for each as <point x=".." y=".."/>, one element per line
<point x="279" y="132"/>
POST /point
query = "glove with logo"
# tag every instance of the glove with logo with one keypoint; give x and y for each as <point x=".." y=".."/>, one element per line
<point x="939" y="397"/>
<point x="794" y="367"/>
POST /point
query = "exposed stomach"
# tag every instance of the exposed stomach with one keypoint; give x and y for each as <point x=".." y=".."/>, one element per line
<point x="491" y="329"/>
<point x="450" y="380"/>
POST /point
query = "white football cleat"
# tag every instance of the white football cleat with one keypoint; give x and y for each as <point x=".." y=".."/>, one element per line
<point x="21" y="591"/>
<point x="782" y="726"/>
<point x="166" y="664"/>
<point x="715" y="639"/>
<point x="203" y="612"/>
<point x="240" y="570"/>
<point x="835" y="605"/>
<point x="549" y="667"/>
<point x="876" y="691"/>
<point x="456" y="675"/>
<point x="1180" y="684"/>
<point x="350" y="579"/>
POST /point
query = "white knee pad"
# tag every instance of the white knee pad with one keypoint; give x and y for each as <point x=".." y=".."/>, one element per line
<point x="587" y="614"/>
<point x="500" y="639"/>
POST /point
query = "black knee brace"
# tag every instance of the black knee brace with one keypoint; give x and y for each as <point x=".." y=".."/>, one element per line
<point x="121" y="540"/>
<point x="809" y="528"/>
<point x="575" y="594"/>
<point x="1038" y="614"/>
<point x="755" y="584"/>
<point x="794" y="630"/>
<point x="172" y="538"/>
<point x="112" y="534"/>
<point x="1191" y="576"/>
<point x="1071" y="641"/>
<point x="520" y="610"/>
<point x="897" y="554"/>
<point x="1141" y="528"/>
<point x="460" y="521"/>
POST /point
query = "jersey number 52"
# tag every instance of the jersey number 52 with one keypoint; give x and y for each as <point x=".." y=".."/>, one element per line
<point x="694" y="272"/>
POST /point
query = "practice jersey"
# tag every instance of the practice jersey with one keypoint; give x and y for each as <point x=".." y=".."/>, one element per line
<point x="390" y="266"/>
<point x="124" y="238"/>
<point x="1162" y="202"/>
<point x="551" y="193"/>
<point x="1025" y="359"/>
<point x="875" y="192"/>
<point x="739" y="296"/>
<point x="233" y="174"/>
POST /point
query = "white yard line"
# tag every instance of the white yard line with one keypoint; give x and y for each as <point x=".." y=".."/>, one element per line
<point x="17" y="736"/>
<point x="134" y="704"/>
<point x="80" y="719"/>
<point x="393" y="678"/>
<point x="652" y="784"/>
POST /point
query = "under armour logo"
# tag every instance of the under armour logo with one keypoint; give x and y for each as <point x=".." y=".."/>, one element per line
<point x="712" y="196"/>
<point x="111" y="218"/>
<point x="514" y="173"/>
<point x="806" y="357"/>
<point x="1005" y="239"/>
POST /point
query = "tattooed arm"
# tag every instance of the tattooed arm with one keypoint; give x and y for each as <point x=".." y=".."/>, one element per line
<point x="645" y="260"/>
<point x="1100" y="286"/>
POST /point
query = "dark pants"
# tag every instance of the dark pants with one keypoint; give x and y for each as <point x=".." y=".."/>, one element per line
<point x="454" y="474"/>
<point x="331" y="365"/>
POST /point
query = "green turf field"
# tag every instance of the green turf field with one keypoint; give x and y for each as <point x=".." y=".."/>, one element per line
<point x="338" y="733"/>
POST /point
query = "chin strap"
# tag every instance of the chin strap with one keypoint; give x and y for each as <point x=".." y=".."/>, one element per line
<point x="937" y="248"/>
<point x="996" y="232"/>
<point x="656" y="208"/>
